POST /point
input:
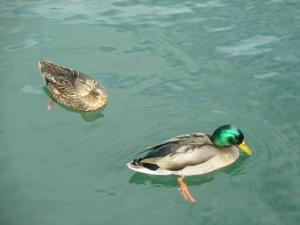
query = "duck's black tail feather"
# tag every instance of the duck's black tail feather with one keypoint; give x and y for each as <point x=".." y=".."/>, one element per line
<point x="150" y="166"/>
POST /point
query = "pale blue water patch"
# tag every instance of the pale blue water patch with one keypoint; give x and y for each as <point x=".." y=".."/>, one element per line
<point x="27" y="43"/>
<point x="112" y="12"/>
<point x="250" y="46"/>
<point x="32" y="89"/>
<point x="266" y="75"/>
<point x="170" y="68"/>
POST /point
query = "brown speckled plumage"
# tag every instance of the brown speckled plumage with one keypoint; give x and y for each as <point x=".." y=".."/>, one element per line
<point x="72" y="88"/>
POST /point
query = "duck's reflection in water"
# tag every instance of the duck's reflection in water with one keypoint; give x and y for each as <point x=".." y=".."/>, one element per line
<point x="169" y="180"/>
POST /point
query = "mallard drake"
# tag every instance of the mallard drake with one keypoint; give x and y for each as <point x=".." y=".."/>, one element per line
<point x="72" y="88"/>
<point x="192" y="154"/>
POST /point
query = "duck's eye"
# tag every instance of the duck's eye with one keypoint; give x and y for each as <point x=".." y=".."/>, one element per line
<point x="96" y="92"/>
<point x="239" y="139"/>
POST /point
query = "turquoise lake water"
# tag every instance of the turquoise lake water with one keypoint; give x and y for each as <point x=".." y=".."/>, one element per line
<point x="170" y="68"/>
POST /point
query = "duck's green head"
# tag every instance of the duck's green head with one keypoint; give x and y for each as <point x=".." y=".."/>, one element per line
<point x="228" y="135"/>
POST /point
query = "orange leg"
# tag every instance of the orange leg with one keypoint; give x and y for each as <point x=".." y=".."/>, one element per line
<point x="184" y="191"/>
<point x="50" y="104"/>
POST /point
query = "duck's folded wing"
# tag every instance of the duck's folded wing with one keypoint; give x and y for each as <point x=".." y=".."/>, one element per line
<point x="60" y="80"/>
<point x="182" y="151"/>
<point x="194" y="138"/>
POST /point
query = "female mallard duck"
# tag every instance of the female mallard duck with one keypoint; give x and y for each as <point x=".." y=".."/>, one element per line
<point x="72" y="88"/>
<point x="192" y="154"/>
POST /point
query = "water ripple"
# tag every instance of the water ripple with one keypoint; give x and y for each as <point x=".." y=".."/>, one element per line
<point x="249" y="46"/>
<point x="27" y="43"/>
<point x="32" y="89"/>
<point x="266" y="75"/>
<point x="219" y="29"/>
<point x="13" y="30"/>
<point x="271" y="145"/>
<point x="110" y="12"/>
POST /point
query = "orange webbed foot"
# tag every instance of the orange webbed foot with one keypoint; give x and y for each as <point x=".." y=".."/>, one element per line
<point x="50" y="104"/>
<point x="184" y="191"/>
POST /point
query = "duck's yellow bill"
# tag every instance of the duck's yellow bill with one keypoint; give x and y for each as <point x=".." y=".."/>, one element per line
<point x="245" y="148"/>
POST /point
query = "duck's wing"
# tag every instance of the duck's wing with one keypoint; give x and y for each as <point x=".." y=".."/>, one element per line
<point x="179" y="152"/>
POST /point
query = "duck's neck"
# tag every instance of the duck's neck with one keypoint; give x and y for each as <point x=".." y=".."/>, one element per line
<point x="219" y="140"/>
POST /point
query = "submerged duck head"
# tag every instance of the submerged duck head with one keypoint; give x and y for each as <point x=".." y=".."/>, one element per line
<point x="228" y="135"/>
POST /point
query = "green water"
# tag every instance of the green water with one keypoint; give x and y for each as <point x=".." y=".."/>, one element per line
<point x="170" y="67"/>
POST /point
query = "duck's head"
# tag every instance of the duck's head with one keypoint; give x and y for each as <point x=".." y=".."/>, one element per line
<point x="228" y="135"/>
<point x="85" y="85"/>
